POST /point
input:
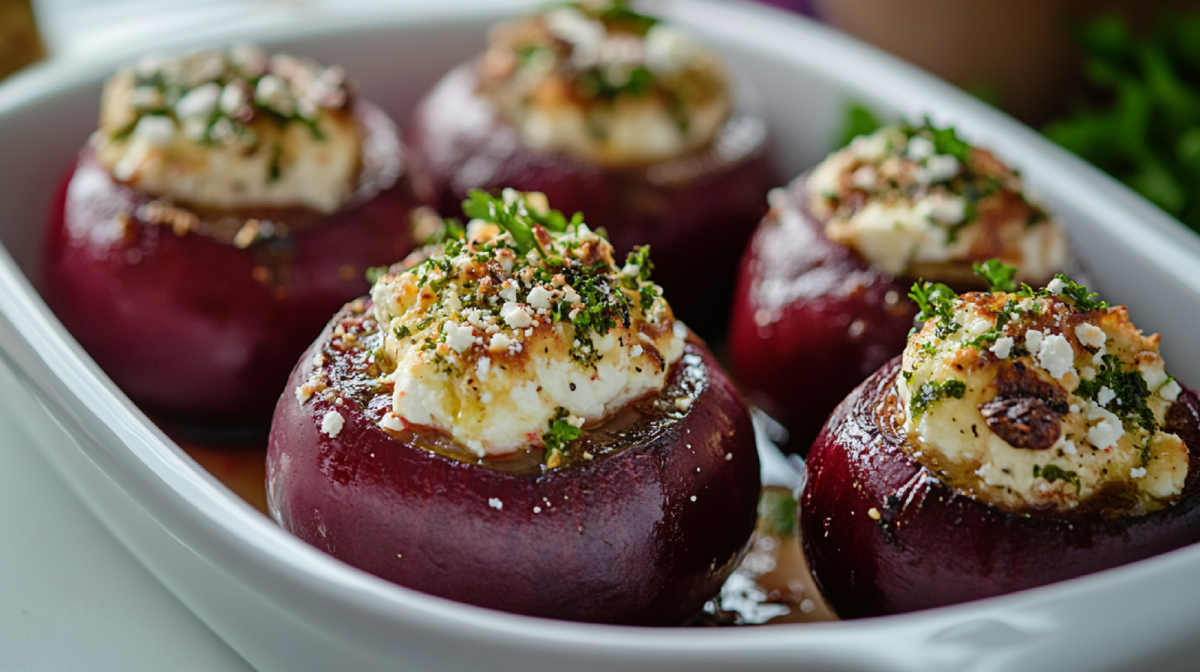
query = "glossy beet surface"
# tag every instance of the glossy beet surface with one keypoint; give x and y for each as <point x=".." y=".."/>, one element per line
<point x="931" y="546"/>
<point x="193" y="327"/>
<point x="642" y="534"/>
<point x="811" y="320"/>
<point x="696" y="213"/>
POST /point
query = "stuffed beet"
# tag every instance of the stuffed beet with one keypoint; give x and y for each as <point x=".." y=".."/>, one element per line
<point x="514" y="421"/>
<point x="822" y="291"/>
<point x="228" y="204"/>
<point x="612" y="113"/>
<point x="1024" y="437"/>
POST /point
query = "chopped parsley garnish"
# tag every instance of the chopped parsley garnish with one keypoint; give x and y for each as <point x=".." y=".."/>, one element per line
<point x="1085" y="301"/>
<point x="998" y="275"/>
<point x="936" y="301"/>
<point x="579" y="283"/>
<point x="945" y="140"/>
<point x="618" y="14"/>
<point x="561" y="432"/>
<point x="857" y="119"/>
<point x="1053" y="472"/>
<point x="1130" y="390"/>
<point x="934" y="391"/>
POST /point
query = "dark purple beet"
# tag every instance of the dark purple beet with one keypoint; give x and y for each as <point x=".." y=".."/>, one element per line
<point x="810" y="320"/>
<point x="696" y="213"/>
<point x="642" y="535"/>
<point x="931" y="545"/>
<point x="191" y="326"/>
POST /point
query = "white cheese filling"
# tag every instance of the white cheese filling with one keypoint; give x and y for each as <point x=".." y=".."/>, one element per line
<point x="1102" y="441"/>
<point x="219" y="142"/>
<point x="493" y="366"/>
<point x="912" y="214"/>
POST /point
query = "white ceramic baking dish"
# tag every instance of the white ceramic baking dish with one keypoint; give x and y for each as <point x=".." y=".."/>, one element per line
<point x="286" y="606"/>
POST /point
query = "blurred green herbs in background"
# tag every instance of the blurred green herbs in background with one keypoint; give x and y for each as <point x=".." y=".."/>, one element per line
<point x="857" y="119"/>
<point x="1146" y="131"/>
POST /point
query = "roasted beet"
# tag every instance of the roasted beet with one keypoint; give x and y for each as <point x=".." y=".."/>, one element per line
<point x="885" y="535"/>
<point x="822" y="299"/>
<point x="810" y="319"/>
<point x="643" y="533"/>
<point x="194" y="321"/>
<point x="696" y="212"/>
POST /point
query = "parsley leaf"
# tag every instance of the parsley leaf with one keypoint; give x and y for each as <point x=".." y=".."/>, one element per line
<point x="936" y="301"/>
<point x="932" y="392"/>
<point x="1130" y="390"/>
<point x="1085" y="301"/>
<point x="561" y="432"/>
<point x="998" y="275"/>
<point x="1053" y="472"/>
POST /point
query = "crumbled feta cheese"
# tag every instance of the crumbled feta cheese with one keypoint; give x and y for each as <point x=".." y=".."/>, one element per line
<point x="1137" y="472"/>
<point x="156" y="131"/>
<point x="1056" y="355"/>
<point x="515" y="315"/>
<point x="920" y="148"/>
<point x="1033" y="340"/>
<point x="539" y="298"/>
<point x="1002" y="347"/>
<point x="495" y="503"/>
<point x="1105" y="395"/>
<point x="332" y="423"/>
<point x="1107" y="431"/>
<point x="635" y="351"/>
<point x="459" y="338"/>
<point x="1090" y="335"/>
<point x="1069" y="448"/>
<point x="1056" y="286"/>
<point x="199" y="102"/>
<point x="500" y="342"/>
<point x="864" y="178"/>
<point x="1170" y="391"/>
<point x="390" y="421"/>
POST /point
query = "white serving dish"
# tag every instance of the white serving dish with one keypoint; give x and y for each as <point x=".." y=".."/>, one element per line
<point x="286" y="606"/>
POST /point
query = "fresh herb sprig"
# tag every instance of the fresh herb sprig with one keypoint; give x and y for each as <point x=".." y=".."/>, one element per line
<point x="1085" y="301"/>
<point x="999" y="275"/>
<point x="945" y="139"/>
<point x="1053" y="472"/>
<point x="1144" y="128"/>
<point x="561" y="433"/>
<point x="932" y="392"/>
<point x="1130" y="390"/>
<point x="936" y="301"/>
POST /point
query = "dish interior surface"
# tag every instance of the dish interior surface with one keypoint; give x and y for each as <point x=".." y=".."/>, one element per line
<point x="284" y="605"/>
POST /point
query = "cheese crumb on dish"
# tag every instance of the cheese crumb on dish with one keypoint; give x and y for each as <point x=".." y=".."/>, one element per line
<point x="918" y="201"/>
<point x="232" y="128"/>
<point x="603" y="82"/>
<point x="523" y="331"/>
<point x="996" y="405"/>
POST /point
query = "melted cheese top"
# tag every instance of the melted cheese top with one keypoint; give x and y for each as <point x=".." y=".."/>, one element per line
<point x="602" y="82"/>
<point x="491" y="345"/>
<point x="230" y="129"/>
<point x="1030" y="404"/>
<point x="919" y="202"/>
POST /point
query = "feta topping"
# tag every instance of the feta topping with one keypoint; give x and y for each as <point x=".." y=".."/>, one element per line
<point x="231" y="129"/>
<point x="918" y="201"/>
<point x="601" y="81"/>
<point x="1035" y="427"/>
<point x="576" y="339"/>
<point x="332" y="423"/>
